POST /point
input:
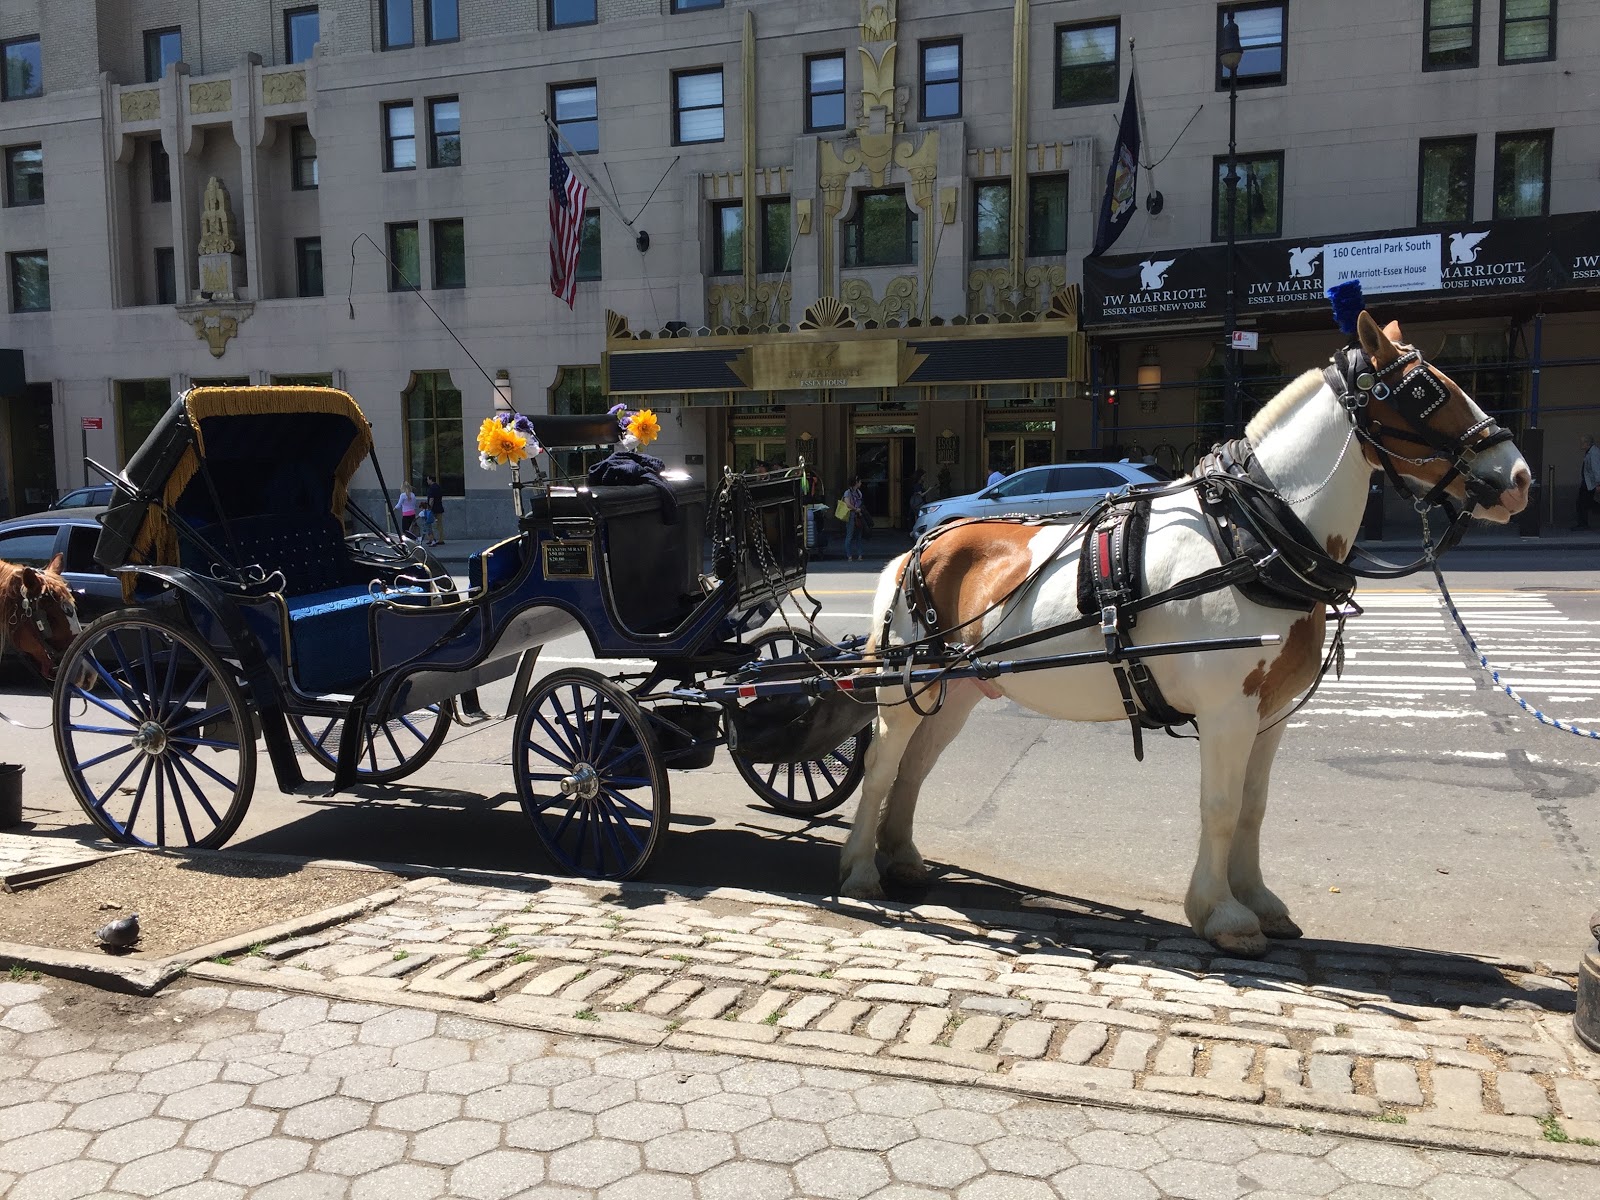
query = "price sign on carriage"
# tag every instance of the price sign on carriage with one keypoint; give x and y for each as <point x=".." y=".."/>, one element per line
<point x="1246" y="339"/>
<point x="94" y="422"/>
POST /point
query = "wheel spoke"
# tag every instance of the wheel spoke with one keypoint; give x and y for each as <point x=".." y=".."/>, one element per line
<point x="182" y="702"/>
<point x="621" y="823"/>
<point x="132" y="697"/>
<point x="138" y="797"/>
<point x="565" y="763"/>
<point x="199" y="793"/>
<point x="194" y="762"/>
<point x="822" y="768"/>
<point x="557" y="739"/>
<point x="320" y="742"/>
<point x="150" y="687"/>
<point x="107" y="757"/>
<point x="161" y="803"/>
<point x="101" y="801"/>
<point x="811" y="784"/>
<point x="127" y="697"/>
<point x="405" y="723"/>
<point x="574" y="739"/>
<point x="170" y="682"/>
<point x="629" y="805"/>
<point x="209" y="743"/>
<point x="98" y="729"/>
<point x="597" y="723"/>
<point x="200" y="718"/>
<point x="399" y="754"/>
<point x="177" y="801"/>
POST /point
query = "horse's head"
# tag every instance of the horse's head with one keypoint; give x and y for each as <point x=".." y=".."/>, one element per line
<point x="40" y="616"/>
<point x="1424" y="427"/>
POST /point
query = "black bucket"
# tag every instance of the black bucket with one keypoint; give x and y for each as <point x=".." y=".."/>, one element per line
<point x="791" y="729"/>
<point x="696" y="746"/>
<point x="10" y="794"/>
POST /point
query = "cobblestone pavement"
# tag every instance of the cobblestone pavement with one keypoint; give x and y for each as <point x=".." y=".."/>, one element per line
<point x="212" y="1093"/>
<point x="1073" y="1008"/>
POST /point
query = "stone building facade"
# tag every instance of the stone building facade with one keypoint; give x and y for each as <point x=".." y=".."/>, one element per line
<point x="850" y="230"/>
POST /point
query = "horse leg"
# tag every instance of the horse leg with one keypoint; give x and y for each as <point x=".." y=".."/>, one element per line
<point x="858" y="863"/>
<point x="933" y="734"/>
<point x="1225" y="744"/>
<point x="1244" y="860"/>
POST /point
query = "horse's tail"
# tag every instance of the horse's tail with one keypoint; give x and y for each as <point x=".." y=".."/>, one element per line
<point x="885" y="599"/>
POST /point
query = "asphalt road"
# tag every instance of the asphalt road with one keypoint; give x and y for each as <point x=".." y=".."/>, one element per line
<point x="1412" y="805"/>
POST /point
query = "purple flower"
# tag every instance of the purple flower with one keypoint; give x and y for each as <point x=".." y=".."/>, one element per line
<point x="522" y="425"/>
<point x="617" y="410"/>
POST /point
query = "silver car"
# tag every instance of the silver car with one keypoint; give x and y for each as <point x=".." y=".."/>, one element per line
<point x="1069" y="488"/>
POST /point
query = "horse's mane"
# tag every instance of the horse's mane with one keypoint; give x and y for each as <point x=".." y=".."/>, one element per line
<point x="1285" y="402"/>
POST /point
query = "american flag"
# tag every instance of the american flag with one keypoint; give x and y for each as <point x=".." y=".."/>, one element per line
<point x="568" y="195"/>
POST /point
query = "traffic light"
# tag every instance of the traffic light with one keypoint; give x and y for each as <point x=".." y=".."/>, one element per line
<point x="1111" y="398"/>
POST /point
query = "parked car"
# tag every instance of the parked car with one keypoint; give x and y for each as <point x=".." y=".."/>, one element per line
<point x="1066" y="488"/>
<point x="86" y="497"/>
<point x="34" y="540"/>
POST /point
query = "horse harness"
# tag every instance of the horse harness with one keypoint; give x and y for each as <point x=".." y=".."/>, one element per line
<point x="1266" y="551"/>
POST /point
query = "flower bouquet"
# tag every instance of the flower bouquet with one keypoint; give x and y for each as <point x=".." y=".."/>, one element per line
<point x="506" y="439"/>
<point x="638" y="428"/>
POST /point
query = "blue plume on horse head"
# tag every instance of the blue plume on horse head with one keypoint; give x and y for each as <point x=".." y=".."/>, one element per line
<point x="1348" y="304"/>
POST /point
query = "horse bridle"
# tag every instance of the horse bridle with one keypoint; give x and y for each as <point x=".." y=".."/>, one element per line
<point x="1416" y="396"/>
<point x="31" y="609"/>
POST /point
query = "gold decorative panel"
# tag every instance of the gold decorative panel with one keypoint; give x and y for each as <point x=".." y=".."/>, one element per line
<point x="142" y="105"/>
<point x="899" y="299"/>
<point x="284" y="87"/>
<point x="216" y="329"/>
<point x="213" y="96"/>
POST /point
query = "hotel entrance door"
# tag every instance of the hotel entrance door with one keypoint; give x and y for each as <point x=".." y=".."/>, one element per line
<point x="28" y="481"/>
<point x="886" y="459"/>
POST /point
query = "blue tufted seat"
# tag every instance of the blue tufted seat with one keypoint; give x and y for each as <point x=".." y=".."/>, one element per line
<point x="327" y="603"/>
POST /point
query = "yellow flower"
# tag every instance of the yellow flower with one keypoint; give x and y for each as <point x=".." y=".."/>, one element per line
<point x="644" y="426"/>
<point x="504" y="445"/>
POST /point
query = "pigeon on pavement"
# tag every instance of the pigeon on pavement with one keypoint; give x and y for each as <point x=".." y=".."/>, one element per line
<point x="120" y="933"/>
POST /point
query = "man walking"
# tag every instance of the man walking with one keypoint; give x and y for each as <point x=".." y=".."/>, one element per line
<point x="436" y="503"/>
<point x="1588" y="481"/>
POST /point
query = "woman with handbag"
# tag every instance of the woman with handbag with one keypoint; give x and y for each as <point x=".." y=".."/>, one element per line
<point x="852" y="507"/>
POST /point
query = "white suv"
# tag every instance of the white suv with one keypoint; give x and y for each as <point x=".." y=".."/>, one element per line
<point x="1039" y="491"/>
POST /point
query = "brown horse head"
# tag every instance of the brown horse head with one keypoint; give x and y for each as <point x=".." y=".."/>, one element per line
<point x="37" y="613"/>
<point x="1411" y="440"/>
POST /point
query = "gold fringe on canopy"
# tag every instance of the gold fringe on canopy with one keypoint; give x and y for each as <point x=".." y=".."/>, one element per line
<point x="157" y="543"/>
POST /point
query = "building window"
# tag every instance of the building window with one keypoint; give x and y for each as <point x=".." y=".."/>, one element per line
<point x="160" y="174"/>
<point x="1088" y="63"/>
<point x="450" y="254"/>
<point x="405" y="257"/>
<point x="1522" y="174"/>
<point x="24" y="175"/>
<point x="882" y="232"/>
<point x="399" y="137"/>
<point x="571" y="12"/>
<point x="1047" y="215"/>
<point x="941" y="80"/>
<point x="577" y="391"/>
<point x="1528" y="31"/>
<point x="824" y="92"/>
<point x="1444" y="180"/>
<point x="24" y="69"/>
<point x="30" y="281"/>
<point x="1263" y="36"/>
<point x="443" y="18"/>
<point x="303" y="155"/>
<point x="162" y="48"/>
<point x="727" y="245"/>
<point x="991" y="221"/>
<point x="434" y="441"/>
<point x="141" y="403"/>
<point x="1258" y="202"/>
<point x="682" y="6"/>
<point x="777" y="237"/>
<point x="697" y="106"/>
<point x="166" y="276"/>
<point x="577" y="115"/>
<point x="589" y="246"/>
<point x="301" y="29"/>
<point x="395" y="27"/>
<point x="444" y="132"/>
<point x="1449" y="34"/>
<point x="308" y="266"/>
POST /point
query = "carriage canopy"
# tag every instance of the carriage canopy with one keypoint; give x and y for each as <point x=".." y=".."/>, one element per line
<point x="229" y="453"/>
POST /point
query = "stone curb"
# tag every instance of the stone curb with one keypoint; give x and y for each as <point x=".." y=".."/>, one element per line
<point x="923" y="1071"/>
<point x="145" y="977"/>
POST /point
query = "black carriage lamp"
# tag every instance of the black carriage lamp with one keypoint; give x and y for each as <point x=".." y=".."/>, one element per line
<point x="1230" y="51"/>
<point x="1150" y="369"/>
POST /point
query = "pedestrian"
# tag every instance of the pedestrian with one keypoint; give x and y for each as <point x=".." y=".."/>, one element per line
<point x="855" y="522"/>
<point x="1588" y="481"/>
<point x="436" y="503"/>
<point x="995" y="475"/>
<point x="425" y="522"/>
<point x="406" y="506"/>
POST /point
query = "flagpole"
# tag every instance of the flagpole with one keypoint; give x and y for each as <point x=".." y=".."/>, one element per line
<point x="576" y="158"/>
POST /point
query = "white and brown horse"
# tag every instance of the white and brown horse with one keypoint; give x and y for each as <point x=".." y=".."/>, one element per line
<point x="1304" y="441"/>
<point x="37" y="614"/>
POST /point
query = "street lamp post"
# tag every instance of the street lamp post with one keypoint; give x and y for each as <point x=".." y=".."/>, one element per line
<point x="1228" y="55"/>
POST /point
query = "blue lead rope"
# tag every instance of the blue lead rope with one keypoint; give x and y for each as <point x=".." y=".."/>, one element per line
<point x="1565" y="726"/>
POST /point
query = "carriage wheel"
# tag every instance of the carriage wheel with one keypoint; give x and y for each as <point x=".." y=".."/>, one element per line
<point x="154" y="735"/>
<point x="390" y="749"/>
<point x="590" y="776"/>
<point x="820" y="785"/>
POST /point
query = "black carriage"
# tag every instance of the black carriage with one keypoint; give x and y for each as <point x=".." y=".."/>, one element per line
<point x="265" y="606"/>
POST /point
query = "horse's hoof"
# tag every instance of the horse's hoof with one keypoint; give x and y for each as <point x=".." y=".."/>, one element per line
<point x="1280" y="926"/>
<point x="856" y="889"/>
<point x="1241" y="945"/>
<point x="909" y="874"/>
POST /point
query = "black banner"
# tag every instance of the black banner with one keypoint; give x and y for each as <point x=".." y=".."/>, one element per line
<point x="1513" y="257"/>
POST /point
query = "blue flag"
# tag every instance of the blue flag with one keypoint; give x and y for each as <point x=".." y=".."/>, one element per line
<point x="1122" y="180"/>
